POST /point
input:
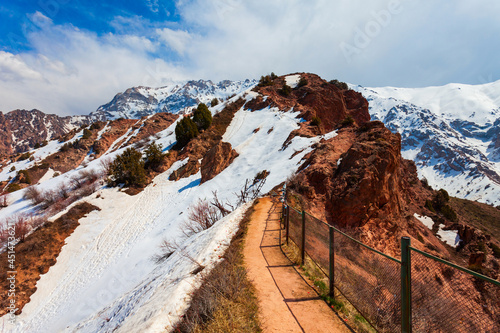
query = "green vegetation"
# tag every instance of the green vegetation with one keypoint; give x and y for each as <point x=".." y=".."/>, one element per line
<point x="202" y="117"/>
<point x="128" y="169"/>
<point x="13" y="187"/>
<point x="86" y="134"/>
<point x="340" y="85"/>
<point x="267" y="80"/>
<point x="302" y="82"/>
<point x="185" y="130"/>
<point x="24" y="177"/>
<point x="286" y="90"/>
<point x="154" y="156"/>
<point x="429" y="206"/>
<point x="348" y="121"/>
<point x="316" y="121"/>
<point x="214" y="102"/>
<point x="24" y="156"/>
<point x="440" y="204"/>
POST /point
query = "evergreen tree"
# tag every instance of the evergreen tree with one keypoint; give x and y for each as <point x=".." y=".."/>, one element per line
<point x="154" y="156"/>
<point x="185" y="130"/>
<point x="202" y="117"/>
<point x="128" y="168"/>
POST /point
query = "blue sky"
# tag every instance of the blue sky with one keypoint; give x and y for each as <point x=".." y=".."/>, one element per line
<point x="70" y="56"/>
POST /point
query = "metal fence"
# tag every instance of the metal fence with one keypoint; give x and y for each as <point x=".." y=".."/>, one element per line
<point x="419" y="293"/>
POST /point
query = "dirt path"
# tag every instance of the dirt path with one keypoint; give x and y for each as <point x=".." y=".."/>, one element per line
<point x="287" y="301"/>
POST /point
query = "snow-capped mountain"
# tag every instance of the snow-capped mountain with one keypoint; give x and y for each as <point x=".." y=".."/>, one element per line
<point x="451" y="132"/>
<point x="141" y="101"/>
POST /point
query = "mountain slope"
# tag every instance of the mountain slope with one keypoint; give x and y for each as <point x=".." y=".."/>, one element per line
<point x="451" y="132"/>
<point x="20" y="130"/>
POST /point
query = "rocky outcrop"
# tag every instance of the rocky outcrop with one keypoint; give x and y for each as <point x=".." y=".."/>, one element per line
<point x="366" y="184"/>
<point x="318" y="98"/>
<point x="217" y="159"/>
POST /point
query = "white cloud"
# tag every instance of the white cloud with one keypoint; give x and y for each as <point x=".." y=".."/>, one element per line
<point x="381" y="42"/>
<point x="76" y="71"/>
<point x="178" y="40"/>
<point x="13" y="68"/>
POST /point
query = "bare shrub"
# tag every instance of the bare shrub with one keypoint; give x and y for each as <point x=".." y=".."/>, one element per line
<point x="167" y="248"/>
<point x="251" y="190"/>
<point x="34" y="194"/>
<point x="224" y="208"/>
<point x="105" y="164"/>
<point x="63" y="191"/>
<point x="201" y="216"/>
<point x="22" y="227"/>
<point x="87" y="189"/>
<point x="3" y="201"/>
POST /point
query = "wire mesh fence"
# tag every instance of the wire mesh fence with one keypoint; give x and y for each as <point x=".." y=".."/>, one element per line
<point x="445" y="299"/>
<point x="317" y="242"/>
<point x="295" y="227"/>
<point x="370" y="281"/>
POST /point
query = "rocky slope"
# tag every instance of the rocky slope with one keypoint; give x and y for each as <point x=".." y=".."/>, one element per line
<point x="21" y="130"/>
<point x="451" y="132"/>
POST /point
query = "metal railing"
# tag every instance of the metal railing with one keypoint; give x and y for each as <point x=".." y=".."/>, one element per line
<point x="419" y="292"/>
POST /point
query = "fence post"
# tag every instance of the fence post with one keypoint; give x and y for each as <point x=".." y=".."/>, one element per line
<point x="405" y="285"/>
<point x="303" y="240"/>
<point x="287" y="223"/>
<point x="332" y="263"/>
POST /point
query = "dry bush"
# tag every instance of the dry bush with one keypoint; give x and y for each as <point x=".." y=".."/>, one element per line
<point x="105" y="164"/>
<point x="3" y="201"/>
<point x="223" y="208"/>
<point x="63" y="191"/>
<point x="22" y="227"/>
<point x="167" y="248"/>
<point x="201" y="216"/>
<point x="34" y="194"/>
<point x="226" y="300"/>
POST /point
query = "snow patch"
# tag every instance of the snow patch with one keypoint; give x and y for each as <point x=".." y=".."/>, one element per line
<point x="292" y="80"/>
<point x="450" y="237"/>
<point x="427" y="221"/>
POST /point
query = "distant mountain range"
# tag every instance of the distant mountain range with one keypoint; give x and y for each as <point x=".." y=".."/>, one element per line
<point x="452" y="132"/>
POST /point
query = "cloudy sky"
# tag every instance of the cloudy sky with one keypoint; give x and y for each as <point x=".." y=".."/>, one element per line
<point x="70" y="56"/>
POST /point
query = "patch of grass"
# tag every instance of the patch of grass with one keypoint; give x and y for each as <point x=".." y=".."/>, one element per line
<point x="481" y="216"/>
<point x="226" y="300"/>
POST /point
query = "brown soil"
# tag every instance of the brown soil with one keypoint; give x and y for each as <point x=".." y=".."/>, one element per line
<point x="287" y="300"/>
<point x="36" y="254"/>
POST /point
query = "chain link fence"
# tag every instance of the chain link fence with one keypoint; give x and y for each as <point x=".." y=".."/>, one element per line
<point x="444" y="297"/>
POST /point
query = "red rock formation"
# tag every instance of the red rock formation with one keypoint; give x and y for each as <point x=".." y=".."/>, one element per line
<point x="217" y="159"/>
<point x="318" y="98"/>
